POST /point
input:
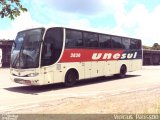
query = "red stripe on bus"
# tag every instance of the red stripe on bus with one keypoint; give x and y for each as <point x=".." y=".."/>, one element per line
<point x="85" y="55"/>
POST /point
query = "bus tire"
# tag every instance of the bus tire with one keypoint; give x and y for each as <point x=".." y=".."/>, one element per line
<point x="123" y="71"/>
<point x="70" y="78"/>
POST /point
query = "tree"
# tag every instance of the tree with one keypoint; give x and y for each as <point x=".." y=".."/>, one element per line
<point x="156" y="46"/>
<point x="11" y="8"/>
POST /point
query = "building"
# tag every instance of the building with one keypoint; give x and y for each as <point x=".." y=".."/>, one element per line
<point x="151" y="57"/>
<point x="6" y="46"/>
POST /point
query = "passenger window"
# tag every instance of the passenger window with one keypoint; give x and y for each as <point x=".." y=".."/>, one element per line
<point x="139" y="44"/>
<point x="73" y="39"/>
<point x="91" y="39"/>
<point x="116" y="42"/>
<point x="126" y="43"/>
<point x="105" y="41"/>
<point x="135" y="44"/>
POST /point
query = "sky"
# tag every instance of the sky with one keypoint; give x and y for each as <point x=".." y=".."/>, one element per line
<point x="131" y="18"/>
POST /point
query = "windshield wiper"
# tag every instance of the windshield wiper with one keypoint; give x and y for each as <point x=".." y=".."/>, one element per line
<point x="17" y="59"/>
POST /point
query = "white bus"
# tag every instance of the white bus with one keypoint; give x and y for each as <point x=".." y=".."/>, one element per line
<point x="0" y="57"/>
<point x="63" y="55"/>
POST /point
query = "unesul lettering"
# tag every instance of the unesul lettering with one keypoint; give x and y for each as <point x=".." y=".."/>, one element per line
<point x="116" y="56"/>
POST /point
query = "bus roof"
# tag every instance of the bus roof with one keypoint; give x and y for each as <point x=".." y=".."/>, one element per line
<point x="79" y="29"/>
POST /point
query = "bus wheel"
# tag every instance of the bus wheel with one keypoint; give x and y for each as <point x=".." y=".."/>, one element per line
<point x="70" y="78"/>
<point x="123" y="71"/>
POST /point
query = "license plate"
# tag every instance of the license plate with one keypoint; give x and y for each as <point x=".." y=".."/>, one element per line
<point x="21" y="81"/>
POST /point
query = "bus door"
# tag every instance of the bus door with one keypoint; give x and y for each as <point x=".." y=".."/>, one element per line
<point x="46" y="62"/>
<point x="51" y="51"/>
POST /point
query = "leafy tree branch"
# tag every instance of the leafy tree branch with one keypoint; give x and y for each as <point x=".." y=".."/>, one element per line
<point x="11" y="8"/>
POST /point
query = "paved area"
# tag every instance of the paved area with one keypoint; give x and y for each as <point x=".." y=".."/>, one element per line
<point x="139" y="92"/>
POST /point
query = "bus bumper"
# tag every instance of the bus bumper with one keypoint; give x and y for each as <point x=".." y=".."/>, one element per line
<point x="26" y="80"/>
<point x="26" y="76"/>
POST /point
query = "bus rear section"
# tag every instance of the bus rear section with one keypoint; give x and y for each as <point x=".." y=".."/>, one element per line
<point x="64" y="55"/>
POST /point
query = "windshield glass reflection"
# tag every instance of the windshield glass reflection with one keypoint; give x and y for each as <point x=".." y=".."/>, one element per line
<point x="26" y="49"/>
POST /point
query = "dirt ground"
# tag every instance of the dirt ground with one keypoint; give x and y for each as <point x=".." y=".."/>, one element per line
<point x="141" y="102"/>
<point x="146" y="100"/>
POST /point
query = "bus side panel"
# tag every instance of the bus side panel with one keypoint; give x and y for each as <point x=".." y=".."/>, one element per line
<point x="136" y="64"/>
<point x="94" y="69"/>
<point x="131" y="65"/>
<point x="48" y="75"/>
<point x="101" y="66"/>
<point x="81" y="70"/>
<point x="119" y="63"/>
<point x="109" y="67"/>
<point x="52" y="74"/>
<point x="88" y="67"/>
<point x="97" y="69"/>
<point x="78" y="66"/>
<point x="58" y="77"/>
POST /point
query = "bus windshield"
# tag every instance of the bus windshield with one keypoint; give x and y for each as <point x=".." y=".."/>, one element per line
<point x="26" y="49"/>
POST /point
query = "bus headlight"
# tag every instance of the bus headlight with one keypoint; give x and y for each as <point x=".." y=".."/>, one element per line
<point x="32" y="74"/>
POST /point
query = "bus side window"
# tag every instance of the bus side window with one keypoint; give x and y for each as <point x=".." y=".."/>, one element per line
<point x="69" y="43"/>
<point x="126" y="43"/>
<point x="91" y="39"/>
<point x="135" y="44"/>
<point x="105" y="41"/>
<point x="117" y="42"/>
<point x="73" y="39"/>
<point x="138" y="43"/>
